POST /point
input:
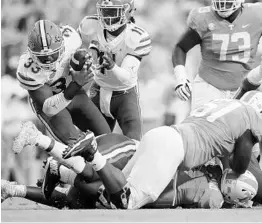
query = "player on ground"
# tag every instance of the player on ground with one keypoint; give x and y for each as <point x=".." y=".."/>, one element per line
<point x="216" y="129"/>
<point x="228" y="33"/>
<point x="118" y="46"/>
<point x="55" y="92"/>
<point x="193" y="188"/>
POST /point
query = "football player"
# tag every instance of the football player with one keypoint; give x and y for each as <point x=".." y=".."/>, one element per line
<point x="219" y="128"/>
<point x="198" y="188"/>
<point x="228" y="33"/>
<point x="118" y="46"/>
<point x="55" y="92"/>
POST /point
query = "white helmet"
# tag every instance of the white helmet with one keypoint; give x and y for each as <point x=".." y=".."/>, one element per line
<point x="253" y="98"/>
<point x="225" y="8"/>
<point x="238" y="190"/>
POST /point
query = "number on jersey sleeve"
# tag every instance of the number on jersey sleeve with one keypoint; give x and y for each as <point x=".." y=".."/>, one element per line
<point x="27" y="74"/>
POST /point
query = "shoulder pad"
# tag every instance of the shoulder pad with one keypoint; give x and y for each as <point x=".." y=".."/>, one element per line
<point x="26" y="77"/>
<point x="255" y="8"/>
<point x="71" y="37"/>
<point x="138" y="40"/>
<point x="88" y="25"/>
<point x="197" y="19"/>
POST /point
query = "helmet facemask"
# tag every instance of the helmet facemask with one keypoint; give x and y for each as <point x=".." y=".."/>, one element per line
<point x="47" y="59"/>
<point x="113" y="17"/>
<point x="226" y="8"/>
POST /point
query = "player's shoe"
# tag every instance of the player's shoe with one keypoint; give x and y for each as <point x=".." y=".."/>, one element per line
<point x="85" y="146"/>
<point x="7" y="189"/>
<point x="27" y="136"/>
<point x="51" y="177"/>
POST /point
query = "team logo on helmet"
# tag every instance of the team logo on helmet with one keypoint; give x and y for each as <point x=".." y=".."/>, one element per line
<point x="238" y="190"/>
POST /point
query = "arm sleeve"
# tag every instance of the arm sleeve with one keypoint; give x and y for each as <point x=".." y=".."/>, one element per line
<point x="196" y="22"/>
<point x="128" y="69"/>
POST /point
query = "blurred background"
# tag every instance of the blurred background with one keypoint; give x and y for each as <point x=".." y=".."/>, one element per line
<point x="165" y="20"/>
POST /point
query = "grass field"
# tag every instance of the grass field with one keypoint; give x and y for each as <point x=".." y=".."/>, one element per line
<point x="24" y="211"/>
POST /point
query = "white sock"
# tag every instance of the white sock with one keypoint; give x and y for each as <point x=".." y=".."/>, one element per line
<point x="56" y="149"/>
<point x="98" y="162"/>
<point x="43" y="141"/>
<point x="67" y="175"/>
<point x="18" y="190"/>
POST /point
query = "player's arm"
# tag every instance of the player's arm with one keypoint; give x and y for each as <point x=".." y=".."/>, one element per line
<point x="126" y="71"/>
<point x="242" y="152"/>
<point x="251" y="82"/>
<point x="130" y="64"/>
<point x="186" y="42"/>
<point x="85" y="30"/>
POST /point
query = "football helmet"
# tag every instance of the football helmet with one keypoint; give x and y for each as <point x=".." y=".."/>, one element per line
<point x="238" y="190"/>
<point x="46" y="44"/>
<point x="225" y="8"/>
<point x="253" y="98"/>
<point x="113" y="14"/>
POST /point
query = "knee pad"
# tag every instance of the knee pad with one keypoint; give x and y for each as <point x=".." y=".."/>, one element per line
<point x="120" y="199"/>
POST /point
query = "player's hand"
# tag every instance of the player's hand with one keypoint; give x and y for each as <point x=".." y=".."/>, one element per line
<point x="183" y="90"/>
<point x="82" y="77"/>
<point x="182" y="86"/>
<point x="107" y="61"/>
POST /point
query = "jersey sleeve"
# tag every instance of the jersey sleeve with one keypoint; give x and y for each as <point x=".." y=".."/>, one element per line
<point x="196" y="20"/>
<point x="71" y="37"/>
<point x="139" y="41"/>
<point x="255" y="123"/>
<point x="87" y="28"/>
<point x="28" y="77"/>
<point x="256" y="9"/>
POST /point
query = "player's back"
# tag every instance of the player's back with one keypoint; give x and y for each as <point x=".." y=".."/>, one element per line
<point x="228" y="49"/>
<point x="212" y="129"/>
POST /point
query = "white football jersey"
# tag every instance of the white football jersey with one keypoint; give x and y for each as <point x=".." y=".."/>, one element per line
<point x="133" y="41"/>
<point x="32" y="77"/>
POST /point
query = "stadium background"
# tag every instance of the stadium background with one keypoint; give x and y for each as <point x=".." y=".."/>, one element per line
<point x="165" y="21"/>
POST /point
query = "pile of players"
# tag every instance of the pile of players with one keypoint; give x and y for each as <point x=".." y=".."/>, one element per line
<point x="207" y="161"/>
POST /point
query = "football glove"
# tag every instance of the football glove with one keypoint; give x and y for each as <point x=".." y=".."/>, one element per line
<point x="107" y="61"/>
<point x="182" y="86"/>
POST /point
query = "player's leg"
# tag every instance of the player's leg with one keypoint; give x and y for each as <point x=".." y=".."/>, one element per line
<point x="29" y="135"/>
<point x="128" y="114"/>
<point x="8" y="189"/>
<point x="161" y="152"/>
<point x="60" y="126"/>
<point x="87" y="116"/>
<point x="96" y="100"/>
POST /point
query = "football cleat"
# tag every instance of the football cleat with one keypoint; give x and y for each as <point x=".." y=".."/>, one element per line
<point x="85" y="146"/>
<point x="7" y="189"/>
<point x="51" y="177"/>
<point x="27" y="136"/>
